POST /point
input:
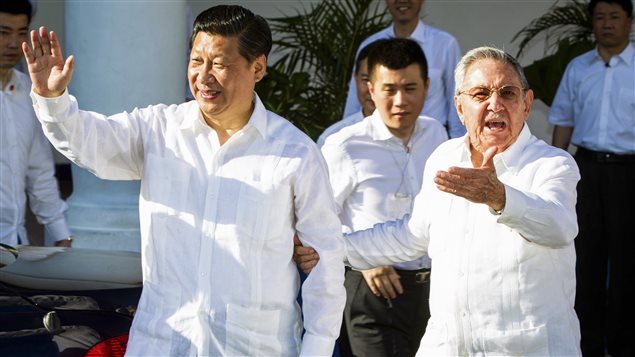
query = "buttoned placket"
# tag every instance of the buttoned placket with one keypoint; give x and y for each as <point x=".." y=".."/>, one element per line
<point x="9" y="143"/>
<point x="606" y="102"/>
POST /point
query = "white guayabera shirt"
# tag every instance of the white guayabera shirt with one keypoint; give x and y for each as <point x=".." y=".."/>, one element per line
<point x="502" y="284"/>
<point x="26" y="167"/>
<point x="217" y="224"/>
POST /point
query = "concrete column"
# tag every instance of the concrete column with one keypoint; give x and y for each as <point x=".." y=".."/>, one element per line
<point x="127" y="54"/>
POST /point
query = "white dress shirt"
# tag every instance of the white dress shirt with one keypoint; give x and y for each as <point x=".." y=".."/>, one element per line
<point x="502" y="284"/>
<point x="442" y="54"/>
<point x="26" y="168"/>
<point x="375" y="177"/>
<point x="598" y="102"/>
<point x="339" y="125"/>
<point x="217" y="224"/>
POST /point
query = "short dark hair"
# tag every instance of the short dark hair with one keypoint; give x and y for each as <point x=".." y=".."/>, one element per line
<point x="253" y="32"/>
<point x="17" y="7"/>
<point x="627" y="5"/>
<point x="363" y="53"/>
<point x="397" y="53"/>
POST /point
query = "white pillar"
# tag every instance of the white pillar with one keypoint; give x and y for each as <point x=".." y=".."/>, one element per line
<point x="127" y="54"/>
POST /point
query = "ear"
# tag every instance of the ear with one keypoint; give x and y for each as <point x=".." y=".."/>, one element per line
<point x="459" y="108"/>
<point x="426" y="86"/>
<point x="371" y="89"/>
<point x="527" y="101"/>
<point x="260" y="67"/>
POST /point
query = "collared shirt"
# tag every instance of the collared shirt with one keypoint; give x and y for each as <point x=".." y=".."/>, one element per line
<point x="503" y="284"/>
<point x="598" y="101"/>
<point x="26" y="168"/>
<point x="375" y="177"/>
<point x="337" y="126"/>
<point x="442" y="54"/>
<point x="217" y="226"/>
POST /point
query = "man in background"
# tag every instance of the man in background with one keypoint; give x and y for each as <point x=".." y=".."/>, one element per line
<point x="442" y="51"/>
<point x="375" y="168"/>
<point x="594" y="109"/>
<point x="26" y="159"/>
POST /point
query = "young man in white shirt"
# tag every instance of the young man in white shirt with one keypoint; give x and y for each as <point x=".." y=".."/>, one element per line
<point x="25" y="155"/>
<point x="375" y="168"/>
<point x="442" y="52"/>
<point x="594" y="109"/>
<point x="225" y="184"/>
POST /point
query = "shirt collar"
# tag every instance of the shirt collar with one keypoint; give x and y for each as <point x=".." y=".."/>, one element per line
<point x="419" y="33"/>
<point x="627" y="56"/>
<point x="379" y="130"/>
<point x="508" y="158"/>
<point x="194" y="119"/>
<point x="14" y="83"/>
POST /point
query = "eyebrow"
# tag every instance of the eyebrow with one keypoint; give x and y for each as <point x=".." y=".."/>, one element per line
<point x="5" y="27"/>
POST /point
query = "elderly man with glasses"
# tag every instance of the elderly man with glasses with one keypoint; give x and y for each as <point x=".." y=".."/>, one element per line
<point x="496" y="214"/>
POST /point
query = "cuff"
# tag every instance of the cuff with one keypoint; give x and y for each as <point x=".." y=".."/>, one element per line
<point x="515" y="205"/>
<point x="48" y="109"/>
<point x="313" y="345"/>
<point x="57" y="230"/>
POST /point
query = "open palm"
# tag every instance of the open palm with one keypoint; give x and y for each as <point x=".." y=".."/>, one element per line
<point x="50" y="73"/>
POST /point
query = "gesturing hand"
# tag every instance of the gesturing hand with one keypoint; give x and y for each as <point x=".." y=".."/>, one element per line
<point x="50" y="74"/>
<point x="479" y="185"/>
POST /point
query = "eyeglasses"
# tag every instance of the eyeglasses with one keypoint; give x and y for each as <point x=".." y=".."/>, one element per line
<point x="481" y="94"/>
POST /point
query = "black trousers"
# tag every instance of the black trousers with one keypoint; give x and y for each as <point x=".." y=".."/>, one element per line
<point x="605" y="248"/>
<point x="374" y="327"/>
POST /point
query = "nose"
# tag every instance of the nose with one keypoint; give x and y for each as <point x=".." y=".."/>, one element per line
<point x="206" y="75"/>
<point x="495" y="102"/>
<point x="15" y="40"/>
<point x="399" y="99"/>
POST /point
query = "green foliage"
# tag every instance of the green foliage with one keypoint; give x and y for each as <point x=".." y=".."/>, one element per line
<point x="568" y="32"/>
<point x="315" y="52"/>
<point x="544" y="75"/>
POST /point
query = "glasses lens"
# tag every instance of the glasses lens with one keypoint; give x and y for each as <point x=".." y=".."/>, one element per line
<point x="509" y="92"/>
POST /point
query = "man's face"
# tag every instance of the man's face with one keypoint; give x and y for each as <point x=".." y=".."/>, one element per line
<point x="404" y="11"/>
<point x="363" y="94"/>
<point x="13" y="31"/>
<point x="493" y="121"/>
<point x="399" y="95"/>
<point x="611" y="25"/>
<point x="221" y="80"/>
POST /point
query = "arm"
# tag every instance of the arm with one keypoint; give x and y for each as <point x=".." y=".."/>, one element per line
<point x="42" y="189"/>
<point x="562" y="136"/>
<point x="317" y="224"/>
<point x="455" y="127"/>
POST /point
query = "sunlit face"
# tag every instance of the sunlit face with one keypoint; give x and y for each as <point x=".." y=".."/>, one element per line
<point x="399" y="95"/>
<point x="404" y="11"/>
<point x="221" y="80"/>
<point x="363" y="94"/>
<point x="13" y="31"/>
<point x="494" y="121"/>
<point x="611" y="25"/>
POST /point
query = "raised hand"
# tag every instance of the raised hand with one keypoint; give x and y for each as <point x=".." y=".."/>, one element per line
<point x="50" y="74"/>
<point x="479" y="185"/>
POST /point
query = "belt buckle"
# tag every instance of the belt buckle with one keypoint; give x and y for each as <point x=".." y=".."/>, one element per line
<point x="422" y="277"/>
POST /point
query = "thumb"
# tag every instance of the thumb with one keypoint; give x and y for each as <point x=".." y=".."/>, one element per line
<point x="488" y="155"/>
<point x="67" y="71"/>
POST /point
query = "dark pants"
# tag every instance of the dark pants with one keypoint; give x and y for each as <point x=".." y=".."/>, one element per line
<point x="374" y="327"/>
<point x="605" y="249"/>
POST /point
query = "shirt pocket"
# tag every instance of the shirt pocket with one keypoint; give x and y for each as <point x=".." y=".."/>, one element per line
<point x="264" y="210"/>
<point x="168" y="184"/>
<point x="520" y="342"/>
<point x="252" y="331"/>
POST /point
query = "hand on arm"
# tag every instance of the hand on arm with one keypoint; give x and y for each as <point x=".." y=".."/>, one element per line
<point x="305" y="257"/>
<point x="383" y="281"/>
<point x="478" y="185"/>
<point x="50" y="73"/>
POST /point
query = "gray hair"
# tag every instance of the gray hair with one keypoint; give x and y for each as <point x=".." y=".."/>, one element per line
<point x="482" y="53"/>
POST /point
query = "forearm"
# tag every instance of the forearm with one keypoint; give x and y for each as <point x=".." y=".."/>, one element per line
<point x="562" y="136"/>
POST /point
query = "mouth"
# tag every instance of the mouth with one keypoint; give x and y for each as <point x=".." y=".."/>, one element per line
<point x="496" y="125"/>
<point x="209" y="94"/>
<point x="400" y="115"/>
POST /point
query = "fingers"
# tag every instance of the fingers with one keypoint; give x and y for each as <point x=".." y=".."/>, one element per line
<point x="307" y="267"/>
<point x="45" y="41"/>
<point x="28" y="54"/>
<point x="305" y="257"/>
<point x="383" y="281"/>
<point x="35" y="44"/>
<point x="488" y="156"/>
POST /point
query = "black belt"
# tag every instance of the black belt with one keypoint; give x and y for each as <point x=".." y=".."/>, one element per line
<point x="604" y="157"/>
<point x="420" y="276"/>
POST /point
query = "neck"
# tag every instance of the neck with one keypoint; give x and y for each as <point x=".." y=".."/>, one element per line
<point x="225" y="128"/>
<point x="5" y="76"/>
<point x="405" y="29"/>
<point x="607" y="52"/>
<point x="404" y="135"/>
